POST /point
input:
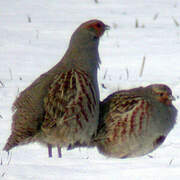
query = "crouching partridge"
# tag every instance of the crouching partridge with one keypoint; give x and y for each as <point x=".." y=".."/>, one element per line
<point x="61" y="107"/>
<point x="135" y="122"/>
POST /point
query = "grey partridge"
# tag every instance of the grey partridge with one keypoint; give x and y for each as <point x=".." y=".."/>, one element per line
<point x="135" y="122"/>
<point x="61" y="107"/>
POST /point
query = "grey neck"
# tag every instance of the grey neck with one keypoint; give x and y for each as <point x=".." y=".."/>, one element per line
<point x="84" y="56"/>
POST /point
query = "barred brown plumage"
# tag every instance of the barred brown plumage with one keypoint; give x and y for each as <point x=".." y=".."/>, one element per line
<point x="135" y="122"/>
<point x="61" y="107"/>
<point x="68" y="105"/>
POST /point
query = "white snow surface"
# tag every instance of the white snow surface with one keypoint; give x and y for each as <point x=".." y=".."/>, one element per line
<point x="34" y="36"/>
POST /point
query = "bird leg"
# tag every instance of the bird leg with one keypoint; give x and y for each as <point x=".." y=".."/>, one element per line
<point x="59" y="151"/>
<point x="49" y="150"/>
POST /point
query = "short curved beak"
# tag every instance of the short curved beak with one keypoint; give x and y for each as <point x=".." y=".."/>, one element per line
<point x="107" y="27"/>
<point x="172" y="98"/>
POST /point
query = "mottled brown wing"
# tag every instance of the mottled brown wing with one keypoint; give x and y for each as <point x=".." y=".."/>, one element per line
<point x="126" y="115"/>
<point x="30" y="100"/>
<point x="28" y="113"/>
<point x="71" y="97"/>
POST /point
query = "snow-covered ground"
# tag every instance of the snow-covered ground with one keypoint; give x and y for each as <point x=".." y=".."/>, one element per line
<point x="34" y="36"/>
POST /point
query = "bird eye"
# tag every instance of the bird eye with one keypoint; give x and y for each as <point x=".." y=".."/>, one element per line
<point x="161" y="94"/>
<point x="98" y="25"/>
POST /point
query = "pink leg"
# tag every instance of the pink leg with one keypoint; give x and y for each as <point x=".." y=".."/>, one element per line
<point x="49" y="150"/>
<point x="59" y="151"/>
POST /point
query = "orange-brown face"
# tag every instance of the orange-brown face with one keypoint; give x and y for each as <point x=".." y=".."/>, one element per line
<point x="97" y="27"/>
<point x="165" y="98"/>
<point x="163" y="94"/>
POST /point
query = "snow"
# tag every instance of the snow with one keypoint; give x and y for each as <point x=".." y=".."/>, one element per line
<point x="34" y="36"/>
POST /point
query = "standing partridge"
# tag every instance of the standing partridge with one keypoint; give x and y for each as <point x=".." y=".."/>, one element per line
<point x="135" y="122"/>
<point x="61" y="107"/>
